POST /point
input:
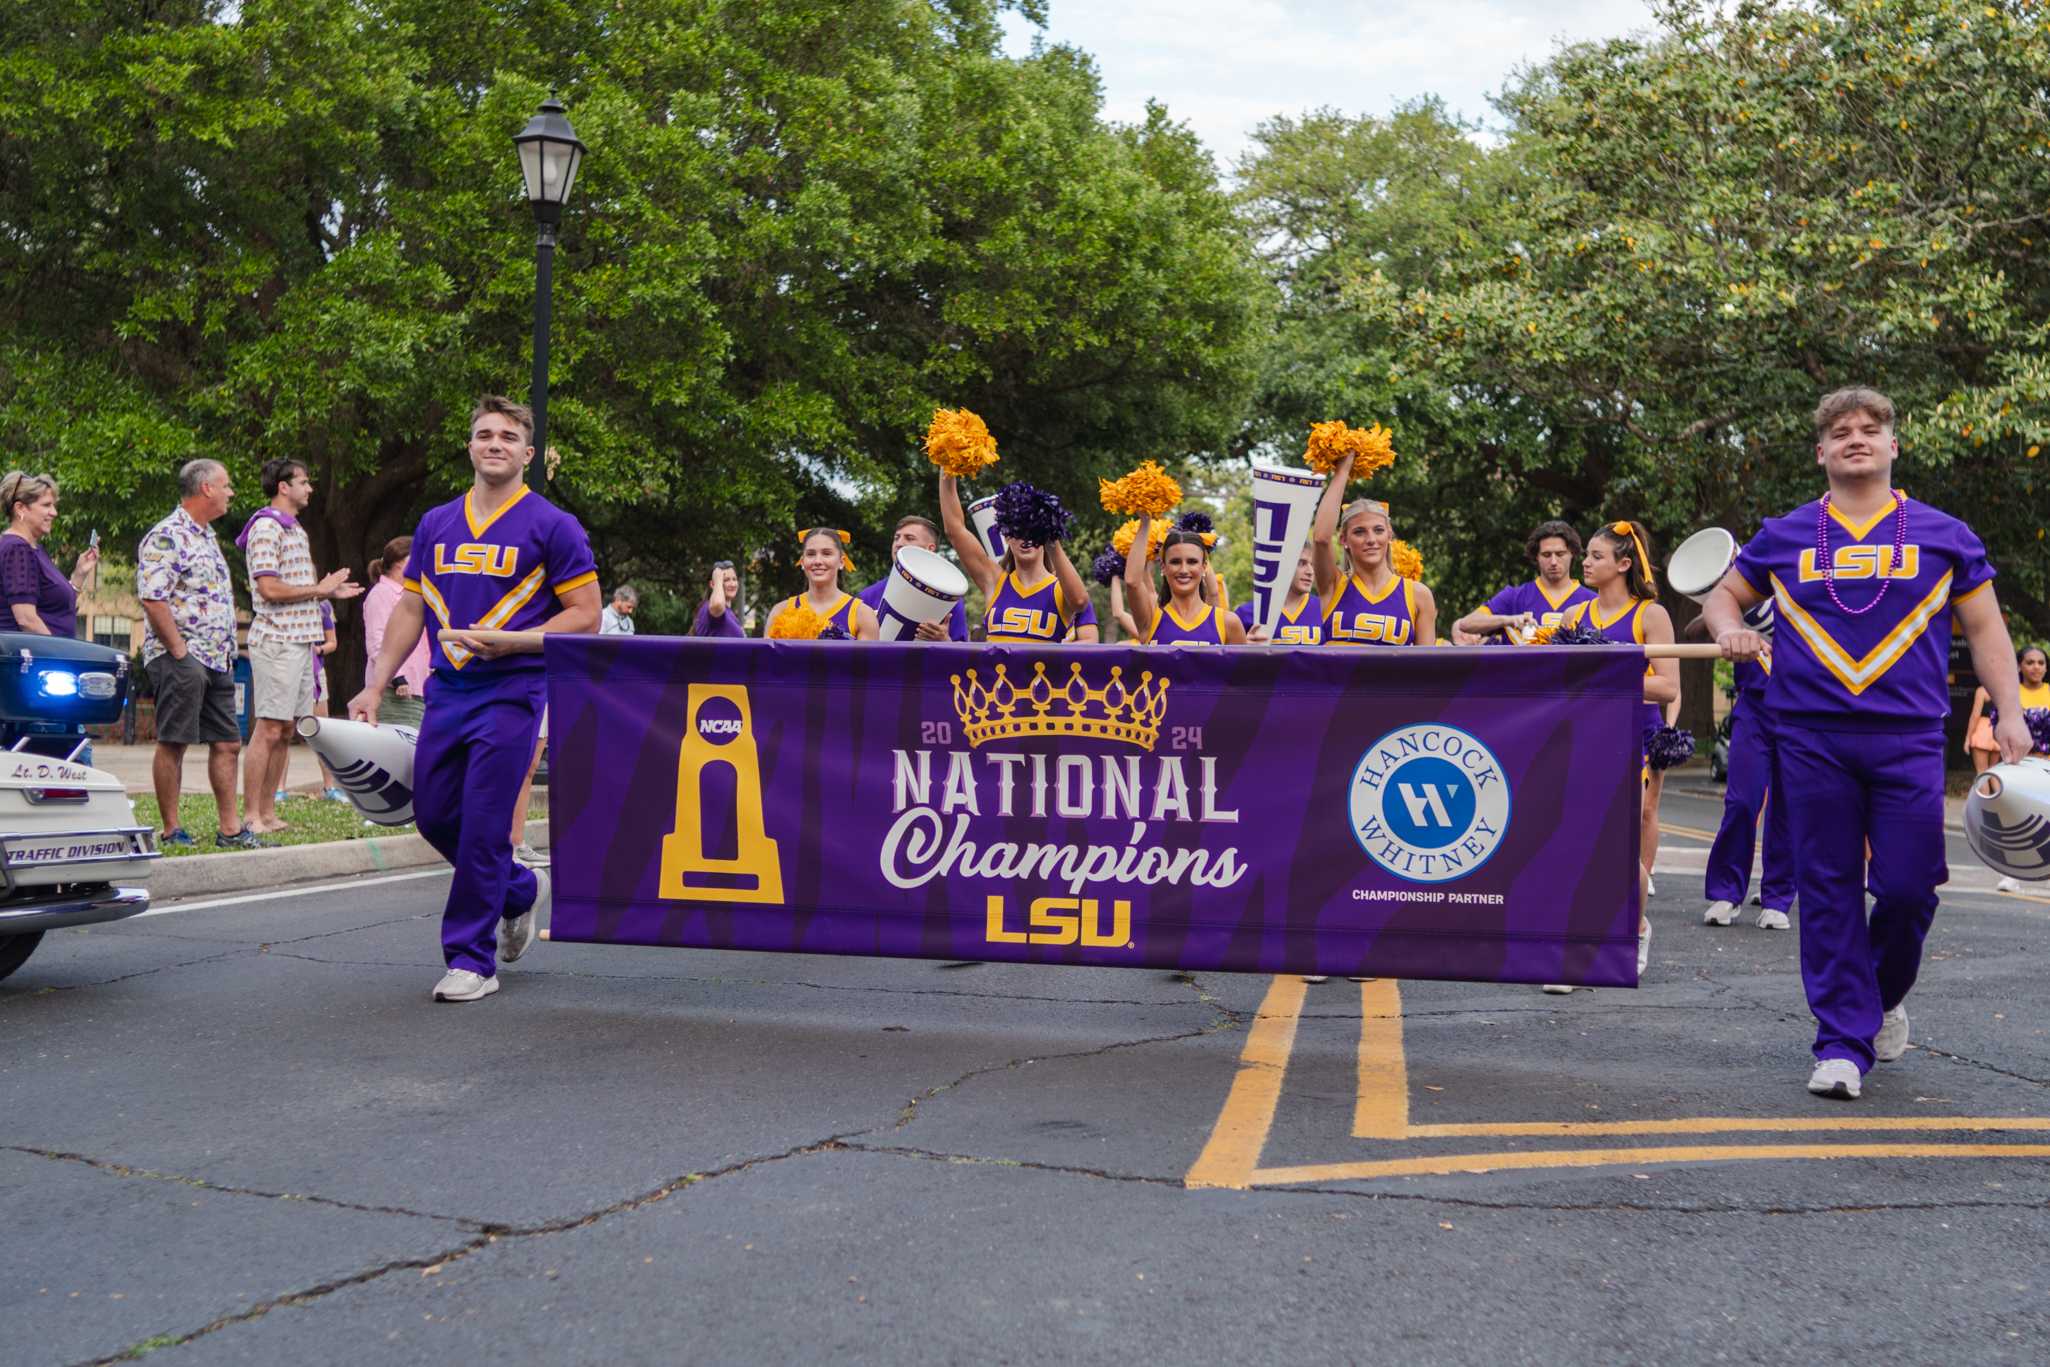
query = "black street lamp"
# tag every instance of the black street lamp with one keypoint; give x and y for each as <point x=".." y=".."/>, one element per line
<point x="550" y="156"/>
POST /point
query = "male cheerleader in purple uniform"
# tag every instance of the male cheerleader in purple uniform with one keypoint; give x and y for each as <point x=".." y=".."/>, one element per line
<point x="1540" y="602"/>
<point x="922" y="533"/>
<point x="1865" y="583"/>
<point x="501" y="557"/>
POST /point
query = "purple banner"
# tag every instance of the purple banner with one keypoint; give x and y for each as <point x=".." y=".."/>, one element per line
<point x="1449" y="813"/>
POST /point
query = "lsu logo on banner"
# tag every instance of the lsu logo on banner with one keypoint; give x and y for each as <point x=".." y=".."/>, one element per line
<point x="719" y="730"/>
<point x="1429" y="803"/>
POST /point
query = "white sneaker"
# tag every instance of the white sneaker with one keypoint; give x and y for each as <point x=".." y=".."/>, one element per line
<point x="461" y="985"/>
<point x="1768" y="919"/>
<point x="1556" y="989"/>
<point x="1316" y="977"/>
<point x="1643" y="947"/>
<point x="1651" y="887"/>
<point x="1719" y="914"/>
<point x="2008" y="885"/>
<point x="528" y="856"/>
<point x="1835" y="1077"/>
<point x="1892" y="1040"/>
<point x="516" y="933"/>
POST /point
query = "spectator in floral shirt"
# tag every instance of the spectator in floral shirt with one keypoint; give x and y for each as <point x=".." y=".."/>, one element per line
<point x="188" y="649"/>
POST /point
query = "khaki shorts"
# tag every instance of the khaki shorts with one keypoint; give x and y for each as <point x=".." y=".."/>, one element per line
<point x="281" y="673"/>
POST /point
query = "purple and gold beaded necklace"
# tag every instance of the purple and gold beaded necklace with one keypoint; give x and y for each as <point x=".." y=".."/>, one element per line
<point x="1900" y="541"/>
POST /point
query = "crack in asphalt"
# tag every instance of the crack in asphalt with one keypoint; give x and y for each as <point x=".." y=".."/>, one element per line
<point x="150" y="1174"/>
<point x="1980" y="1063"/>
<point x="1224" y="1018"/>
<point x="909" y="1112"/>
<point x="487" y="1235"/>
<point x="54" y="988"/>
<point x="1424" y="1198"/>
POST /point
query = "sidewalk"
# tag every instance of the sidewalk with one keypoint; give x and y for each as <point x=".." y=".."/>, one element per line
<point x="131" y="764"/>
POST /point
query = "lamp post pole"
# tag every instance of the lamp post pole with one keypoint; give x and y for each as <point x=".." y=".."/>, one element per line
<point x="544" y="288"/>
<point x="550" y="156"/>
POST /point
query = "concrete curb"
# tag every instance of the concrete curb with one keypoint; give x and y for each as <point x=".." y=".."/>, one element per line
<point x="215" y="874"/>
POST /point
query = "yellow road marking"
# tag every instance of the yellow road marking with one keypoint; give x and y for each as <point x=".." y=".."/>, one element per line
<point x="1671" y="829"/>
<point x="1231" y="1157"/>
<point x="1733" y="1125"/>
<point x="1233" y="1152"/>
<point x="1381" y="1110"/>
<point x="1447" y="1164"/>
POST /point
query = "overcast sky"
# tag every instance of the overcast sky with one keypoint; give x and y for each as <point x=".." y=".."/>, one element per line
<point x="1224" y="65"/>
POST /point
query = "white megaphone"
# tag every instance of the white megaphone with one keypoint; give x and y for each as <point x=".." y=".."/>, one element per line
<point x="922" y="587"/>
<point x="2007" y="819"/>
<point x="983" y="514"/>
<point x="1700" y="562"/>
<point x="373" y="764"/>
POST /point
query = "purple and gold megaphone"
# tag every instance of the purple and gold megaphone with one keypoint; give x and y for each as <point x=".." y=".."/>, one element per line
<point x="372" y="764"/>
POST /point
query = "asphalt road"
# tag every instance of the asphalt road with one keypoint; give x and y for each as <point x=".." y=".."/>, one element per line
<point x="242" y="1133"/>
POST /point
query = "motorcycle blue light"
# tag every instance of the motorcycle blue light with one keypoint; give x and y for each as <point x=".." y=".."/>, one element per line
<point x="58" y="683"/>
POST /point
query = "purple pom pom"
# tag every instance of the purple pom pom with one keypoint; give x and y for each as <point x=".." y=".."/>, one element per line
<point x="2038" y="719"/>
<point x="1198" y="523"/>
<point x="1576" y="634"/>
<point x="1109" y="565"/>
<point x="1028" y="514"/>
<point x="1668" y="746"/>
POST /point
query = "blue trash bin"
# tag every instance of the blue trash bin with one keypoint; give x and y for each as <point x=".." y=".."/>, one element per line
<point x="245" y="697"/>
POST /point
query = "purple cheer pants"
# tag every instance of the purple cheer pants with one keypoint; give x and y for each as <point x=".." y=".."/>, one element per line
<point x="1749" y="790"/>
<point x="475" y="743"/>
<point x="1843" y="789"/>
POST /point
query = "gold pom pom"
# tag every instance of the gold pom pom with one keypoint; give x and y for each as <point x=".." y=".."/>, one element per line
<point x="1406" y="560"/>
<point x="1121" y="540"/>
<point x="1371" y="448"/>
<point x="959" y="442"/>
<point x="1146" y="490"/>
<point x="1157" y="538"/>
<point x="798" y="623"/>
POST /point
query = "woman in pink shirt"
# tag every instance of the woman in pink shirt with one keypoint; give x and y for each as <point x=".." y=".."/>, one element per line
<point x="403" y="699"/>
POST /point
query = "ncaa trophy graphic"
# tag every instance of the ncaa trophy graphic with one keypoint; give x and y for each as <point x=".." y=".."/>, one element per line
<point x="719" y="729"/>
<point x="1284" y="504"/>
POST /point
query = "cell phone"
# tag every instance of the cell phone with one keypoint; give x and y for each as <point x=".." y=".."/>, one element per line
<point x="93" y="543"/>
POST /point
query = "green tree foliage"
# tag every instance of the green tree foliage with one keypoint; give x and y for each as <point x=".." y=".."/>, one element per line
<point x="1630" y="305"/>
<point x="278" y="229"/>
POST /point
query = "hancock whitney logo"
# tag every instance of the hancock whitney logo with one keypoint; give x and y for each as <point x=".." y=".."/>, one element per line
<point x="1429" y="803"/>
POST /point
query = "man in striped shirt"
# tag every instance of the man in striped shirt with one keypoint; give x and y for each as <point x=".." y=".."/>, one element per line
<point x="285" y="632"/>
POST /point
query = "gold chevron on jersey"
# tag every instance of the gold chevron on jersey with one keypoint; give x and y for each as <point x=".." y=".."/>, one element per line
<point x="1860" y="673"/>
<point x="499" y="614"/>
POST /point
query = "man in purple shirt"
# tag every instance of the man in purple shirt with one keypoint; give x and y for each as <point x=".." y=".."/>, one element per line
<point x="1865" y="584"/>
<point x="1540" y="602"/>
<point x="501" y="557"/>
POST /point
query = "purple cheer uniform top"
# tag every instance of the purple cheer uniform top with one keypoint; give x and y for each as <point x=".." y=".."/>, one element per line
<point x="1532" y="597"/>
<point x="1356" y="617"/>
<point x="1303" y="627"/>
<point x="1170" y="630"/>
<point x="841" y="614"/>
<point x="502" y="573"/>
<point x="1846" y="658"/>
<point x="1018" y="616"/>
<point x="1626" y="628"/>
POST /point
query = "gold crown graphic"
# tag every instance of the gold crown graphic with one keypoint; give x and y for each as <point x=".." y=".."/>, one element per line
<point x="1117" y="711"/>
